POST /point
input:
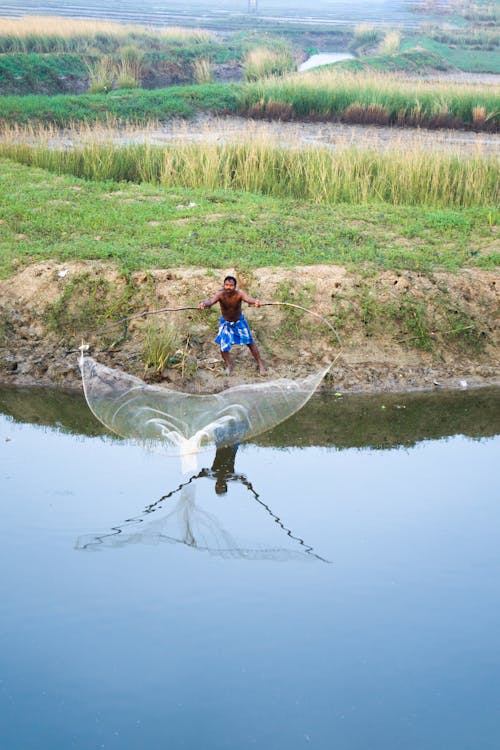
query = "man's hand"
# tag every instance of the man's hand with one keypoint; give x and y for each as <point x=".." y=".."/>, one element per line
<point x="201" y="306"/>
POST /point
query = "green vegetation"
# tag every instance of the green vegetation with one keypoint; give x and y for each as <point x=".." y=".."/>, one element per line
<point x="371" y="98"/>
<point x="126" y="106"/>
<point x="348" y="175"/>
<point x="474" y="59"/>
<point x="262" y="62"/>
<point x="141" y="226"/>
<point x="36" y="73"/>
<point x="407" y="61"/>
<point x="161" y="348"/>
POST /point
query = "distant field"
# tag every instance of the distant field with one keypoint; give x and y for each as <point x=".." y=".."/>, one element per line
<point x="229" y="13"/>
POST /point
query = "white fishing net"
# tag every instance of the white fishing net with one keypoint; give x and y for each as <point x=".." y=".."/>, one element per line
<point x="183" y="423"/>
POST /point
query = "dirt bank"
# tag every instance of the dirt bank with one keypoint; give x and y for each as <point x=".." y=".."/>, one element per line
<point x="47" y="308"/>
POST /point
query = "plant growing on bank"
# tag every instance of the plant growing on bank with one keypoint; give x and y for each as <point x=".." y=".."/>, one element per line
<point x="161" y="348"/>
<point x="391" y="43"/>
<point x="263" y="62"/>
<point x="202" y="71"/>
<point x="101" y="76"/>
<point x="365" y="35"/>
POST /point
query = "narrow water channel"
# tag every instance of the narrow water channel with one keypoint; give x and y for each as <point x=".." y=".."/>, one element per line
<point x="334" y="584"/>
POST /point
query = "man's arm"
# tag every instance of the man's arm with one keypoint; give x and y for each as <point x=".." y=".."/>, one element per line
<point x="210" y="302"/>
<point x="250" y="300"/>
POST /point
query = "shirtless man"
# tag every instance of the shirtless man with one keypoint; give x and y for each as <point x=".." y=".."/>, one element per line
<point x="233" y="328"/>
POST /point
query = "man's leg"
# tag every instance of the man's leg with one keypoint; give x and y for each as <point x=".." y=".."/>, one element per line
<point x="256" y="355"/>
<point x="227" y="362"/>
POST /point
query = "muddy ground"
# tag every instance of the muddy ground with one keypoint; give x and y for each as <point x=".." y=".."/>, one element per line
<point x="35" y="350"/>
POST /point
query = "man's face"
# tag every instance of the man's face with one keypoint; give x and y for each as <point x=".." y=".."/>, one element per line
<point x="229" y="286"/>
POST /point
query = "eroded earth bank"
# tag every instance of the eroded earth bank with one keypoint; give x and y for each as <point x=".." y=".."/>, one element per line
<point x="398" y="331"/>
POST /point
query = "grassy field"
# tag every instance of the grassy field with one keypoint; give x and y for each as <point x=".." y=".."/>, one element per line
<point x="323" y="94"/>
<point x="142" y="226"/>
<point x="472" y="58"/>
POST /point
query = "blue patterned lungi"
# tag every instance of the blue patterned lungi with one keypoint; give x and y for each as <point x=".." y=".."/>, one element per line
<point x="231" y="333"/>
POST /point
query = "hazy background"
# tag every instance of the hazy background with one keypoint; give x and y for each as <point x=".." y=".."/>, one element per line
<point x="152" y="11"/>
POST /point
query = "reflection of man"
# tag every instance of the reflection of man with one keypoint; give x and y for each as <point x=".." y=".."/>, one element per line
<point x="223" y="469"/>
<point x="233" y="328"/>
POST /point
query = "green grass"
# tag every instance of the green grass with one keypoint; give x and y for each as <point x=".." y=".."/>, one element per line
<point x="45" y="216"/>
<point x="35" y="73"/>
<point x="466" y="59"/>
<point x="131" y="106"/>
<point x="408" y="61"/>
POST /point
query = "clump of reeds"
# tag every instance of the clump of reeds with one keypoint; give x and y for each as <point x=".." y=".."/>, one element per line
<point x="161" y="348"/>
<point x="202" y="71"/>
<point x="390" y="44"/>
<point x="365" y="35"/>
<point x="101" y="76"/>
<point x="262" y="62"/>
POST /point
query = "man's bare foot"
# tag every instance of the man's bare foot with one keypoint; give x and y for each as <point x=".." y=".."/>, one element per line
<point x="262" y="370"/>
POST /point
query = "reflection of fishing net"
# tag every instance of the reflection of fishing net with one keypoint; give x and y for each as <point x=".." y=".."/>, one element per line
<point x="237" y="531"/>
<point x="186" y="423"/>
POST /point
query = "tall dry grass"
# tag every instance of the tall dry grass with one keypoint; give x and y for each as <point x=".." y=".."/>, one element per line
<point x="41" y="33"/>
<point x="398" y="175"/>
<point x="262" y="62"/>
<point x="390" y="44"/>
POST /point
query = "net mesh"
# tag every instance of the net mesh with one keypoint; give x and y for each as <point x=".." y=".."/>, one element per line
<point x="185" y="423"/>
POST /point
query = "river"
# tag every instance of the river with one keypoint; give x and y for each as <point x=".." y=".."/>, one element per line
<point x="333" y="584"/>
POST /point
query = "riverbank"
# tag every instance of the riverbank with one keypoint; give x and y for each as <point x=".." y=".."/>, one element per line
<point x="44" y="310"/>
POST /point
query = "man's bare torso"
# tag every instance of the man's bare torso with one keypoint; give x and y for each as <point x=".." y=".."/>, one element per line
<point x="230" y="305"/>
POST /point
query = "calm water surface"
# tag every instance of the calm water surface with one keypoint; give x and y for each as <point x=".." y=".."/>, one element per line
<point x="324" y="58"/>
<point x="336" y="585"/>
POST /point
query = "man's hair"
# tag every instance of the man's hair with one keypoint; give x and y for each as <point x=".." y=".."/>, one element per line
<point x="230" y="278"/>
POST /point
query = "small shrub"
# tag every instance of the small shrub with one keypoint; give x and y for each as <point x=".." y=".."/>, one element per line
<point x="262" y="63"/>
<point x="202" y="71"/>
<point x="101" y="76"/>
<point x="161" y="347"/>
<point x="391" y="43"/>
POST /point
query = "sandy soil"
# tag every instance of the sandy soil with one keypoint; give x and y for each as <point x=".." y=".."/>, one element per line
<point x="31" y="354"/>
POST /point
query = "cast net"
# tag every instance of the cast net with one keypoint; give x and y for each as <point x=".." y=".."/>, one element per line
<point x="185" y="423"/>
